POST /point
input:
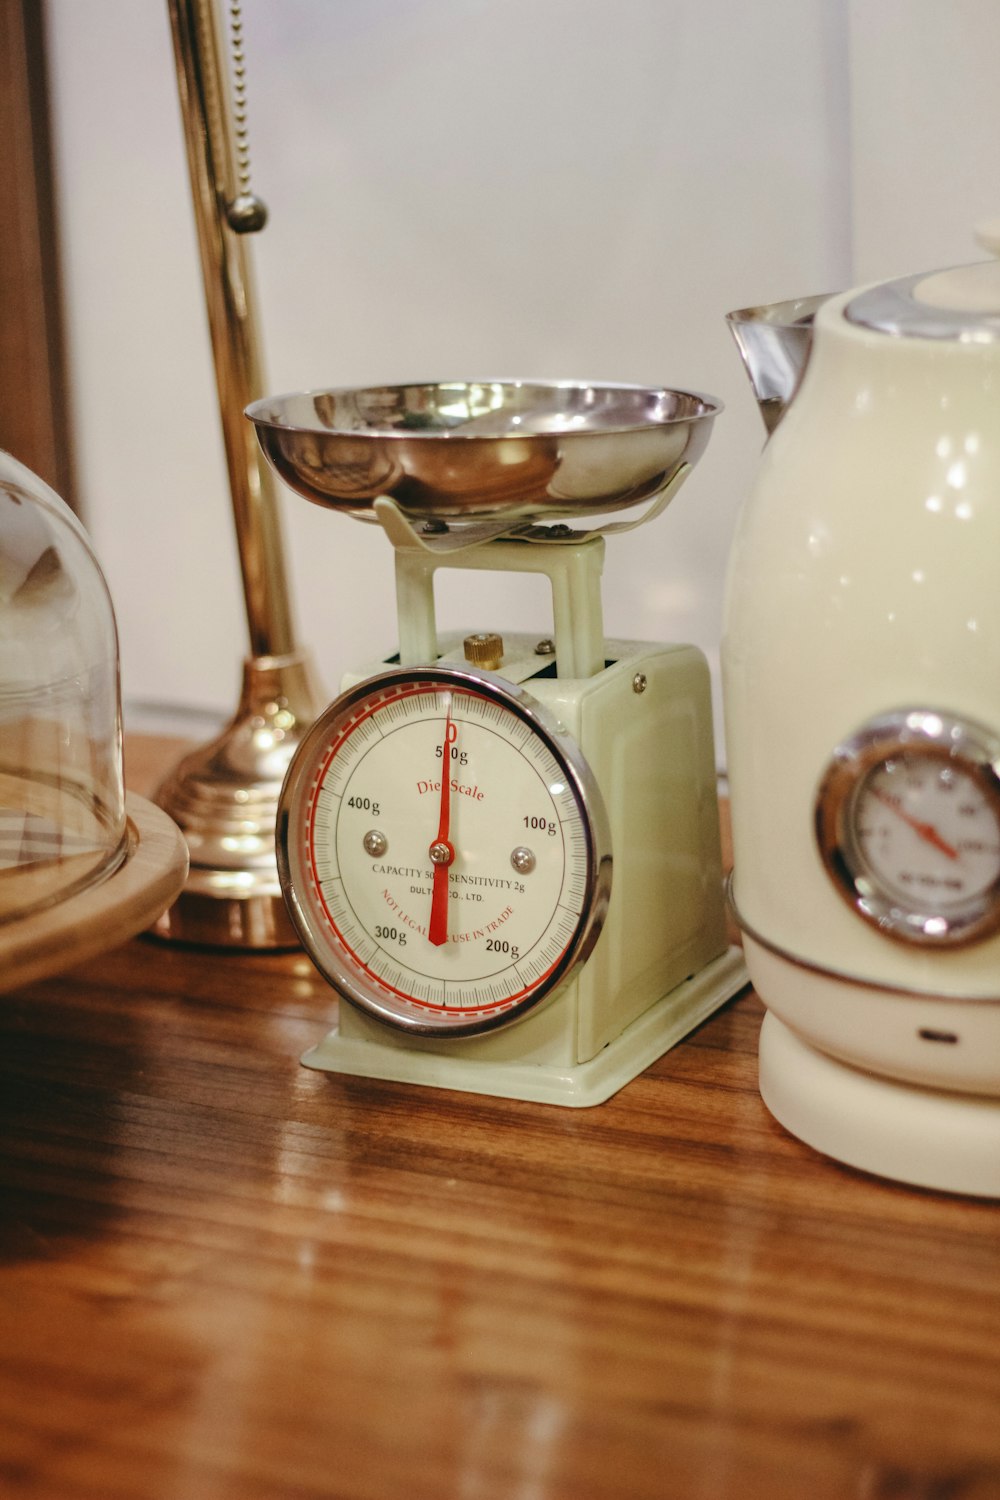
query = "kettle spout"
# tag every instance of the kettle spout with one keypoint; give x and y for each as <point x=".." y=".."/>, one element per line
<point x="774" y="342"/>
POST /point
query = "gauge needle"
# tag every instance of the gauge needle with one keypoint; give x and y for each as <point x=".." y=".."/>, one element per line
<point x="442" y="852"/>
<point x="926" y="831"/>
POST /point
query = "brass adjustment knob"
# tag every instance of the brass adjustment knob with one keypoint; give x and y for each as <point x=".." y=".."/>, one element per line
<point x="484" y="649"/>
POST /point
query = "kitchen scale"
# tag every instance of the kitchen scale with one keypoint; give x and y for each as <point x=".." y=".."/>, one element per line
<point x="502" y="851"/>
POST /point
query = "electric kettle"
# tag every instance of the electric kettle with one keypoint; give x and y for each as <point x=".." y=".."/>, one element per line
<point x="861" y="683"/>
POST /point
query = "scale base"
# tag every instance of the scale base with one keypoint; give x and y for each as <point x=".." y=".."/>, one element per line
<point x="579" y="1085"/>
<point x="902" y="1131"/>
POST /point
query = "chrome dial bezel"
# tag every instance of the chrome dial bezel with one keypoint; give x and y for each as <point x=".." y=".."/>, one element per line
<point x="906" y="733"/>
<point x="332" y="957"/>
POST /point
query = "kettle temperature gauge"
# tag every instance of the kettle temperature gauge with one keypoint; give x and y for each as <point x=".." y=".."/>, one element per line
<point x="908" y="824"/>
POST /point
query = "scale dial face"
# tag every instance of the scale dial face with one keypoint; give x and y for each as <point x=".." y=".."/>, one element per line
<point x="443" y="849"/>
<point x="908" y="824"/>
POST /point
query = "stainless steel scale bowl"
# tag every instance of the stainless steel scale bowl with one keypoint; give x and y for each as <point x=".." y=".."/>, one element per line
<point x="482" y="450"/>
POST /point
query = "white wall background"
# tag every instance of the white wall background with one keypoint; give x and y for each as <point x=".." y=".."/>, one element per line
<point x="556" y="188"/>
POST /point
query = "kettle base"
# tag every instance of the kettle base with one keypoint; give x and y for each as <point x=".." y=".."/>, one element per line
<point x="921" y="1136"/>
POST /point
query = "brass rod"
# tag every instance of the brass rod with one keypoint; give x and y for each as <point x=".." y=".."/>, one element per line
<point x="224" y="795"/>
<point x="203" y="84"/>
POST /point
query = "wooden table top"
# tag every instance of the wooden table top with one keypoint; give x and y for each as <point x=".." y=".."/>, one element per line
<point x="227" y="1277"/>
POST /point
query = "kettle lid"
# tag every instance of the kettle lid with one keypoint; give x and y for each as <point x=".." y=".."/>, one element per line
<point x="961" y="304"/>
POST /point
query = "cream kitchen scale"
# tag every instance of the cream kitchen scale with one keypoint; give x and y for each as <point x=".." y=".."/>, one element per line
<point x="503" y="851"/>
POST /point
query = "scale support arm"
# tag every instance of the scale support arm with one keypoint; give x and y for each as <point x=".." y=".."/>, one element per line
<point x="574" y="573"/>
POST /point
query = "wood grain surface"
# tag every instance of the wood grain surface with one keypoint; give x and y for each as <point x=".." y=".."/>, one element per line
<point x="225" y="1277"/>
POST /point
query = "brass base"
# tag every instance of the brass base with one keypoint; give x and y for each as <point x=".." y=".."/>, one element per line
<point x="224" y="798"/>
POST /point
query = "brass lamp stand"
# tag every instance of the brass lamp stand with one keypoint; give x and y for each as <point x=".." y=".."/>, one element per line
<point x="224" y="794"/>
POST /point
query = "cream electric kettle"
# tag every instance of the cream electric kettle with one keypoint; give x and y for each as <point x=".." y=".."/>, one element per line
<point x="861" y="680"/>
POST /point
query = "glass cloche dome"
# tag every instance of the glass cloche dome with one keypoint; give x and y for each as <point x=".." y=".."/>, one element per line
<point x="62" y="795"/>
<point x="67" y="830"/>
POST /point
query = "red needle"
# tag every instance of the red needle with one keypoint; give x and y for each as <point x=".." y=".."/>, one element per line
<point x="926" y="831"/>
<point x="442" y="852"/>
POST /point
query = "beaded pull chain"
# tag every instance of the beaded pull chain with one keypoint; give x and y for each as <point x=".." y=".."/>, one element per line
<point x="247" y="213"/>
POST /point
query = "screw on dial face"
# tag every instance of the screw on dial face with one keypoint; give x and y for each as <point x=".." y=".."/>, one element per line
<point x="445" y="935"/>
<point x="908" y="824"/>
